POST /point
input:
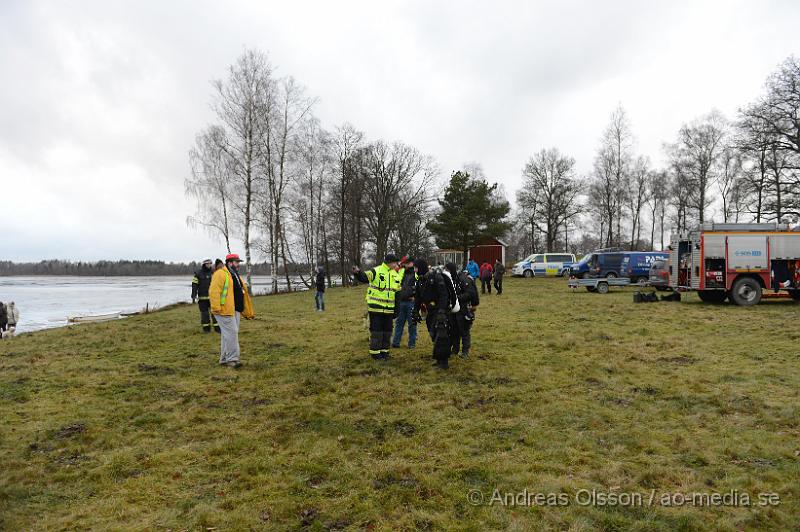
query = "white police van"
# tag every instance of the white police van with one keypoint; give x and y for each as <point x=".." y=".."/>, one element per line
<point x="544" y="265"/>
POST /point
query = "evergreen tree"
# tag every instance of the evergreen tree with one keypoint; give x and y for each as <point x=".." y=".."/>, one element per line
<point x="471" y="210"/>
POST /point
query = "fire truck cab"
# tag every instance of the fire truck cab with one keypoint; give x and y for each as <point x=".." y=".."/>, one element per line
<point x="736" y="261"/>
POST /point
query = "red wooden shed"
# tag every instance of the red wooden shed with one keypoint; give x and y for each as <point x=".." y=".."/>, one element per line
<point x="488" y="250"/>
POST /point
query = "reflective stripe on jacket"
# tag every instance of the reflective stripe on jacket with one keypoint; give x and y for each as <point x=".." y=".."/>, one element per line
<point x="222" y="301"/>
<point x="384" y="282"/>
<point x="200" y="283"/>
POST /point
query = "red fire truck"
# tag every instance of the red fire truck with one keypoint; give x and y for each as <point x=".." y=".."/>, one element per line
<point x="736" y="261"/>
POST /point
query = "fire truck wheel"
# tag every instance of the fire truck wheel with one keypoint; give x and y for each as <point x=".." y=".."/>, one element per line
<point x="712" y="296"/>
<point x="602" y="288"/>
<point x="745" y="292"/>
<point x="611" y="275"/>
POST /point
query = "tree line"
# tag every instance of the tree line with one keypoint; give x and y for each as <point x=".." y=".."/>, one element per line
<point x="108" y="268"/>
<point x="740" y="169"/>
<point x="267" y="173"/>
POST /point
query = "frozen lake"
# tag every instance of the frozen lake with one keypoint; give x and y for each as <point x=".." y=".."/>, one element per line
<point x="45" y="301"/>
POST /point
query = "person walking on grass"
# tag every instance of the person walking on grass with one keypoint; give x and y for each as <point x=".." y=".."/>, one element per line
<point x="404" y="305"/>
<point x="499" y="270"/>
<point x="230" y="301"/>
<point x="3" y="317"/>
<point x="486" y="277"/>
<point x="384" y="282"/>
<point x="319" y="282"/>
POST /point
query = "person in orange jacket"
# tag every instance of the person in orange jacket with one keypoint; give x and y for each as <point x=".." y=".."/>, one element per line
<point x="230" y="301"/>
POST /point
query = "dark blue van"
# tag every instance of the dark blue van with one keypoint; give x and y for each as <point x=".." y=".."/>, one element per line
<point x="599" y="263"/>
<point x="636" y="264"/>
<point x="580" y="269"/>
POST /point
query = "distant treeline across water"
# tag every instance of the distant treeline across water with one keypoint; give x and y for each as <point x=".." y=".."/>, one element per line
<point x="120" y="267"/>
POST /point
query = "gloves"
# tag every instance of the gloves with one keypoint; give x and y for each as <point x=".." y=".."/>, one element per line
<point x="441" y="319"/>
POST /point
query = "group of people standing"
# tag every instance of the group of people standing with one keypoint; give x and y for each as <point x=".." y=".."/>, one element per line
<point x="406" y="291"/>
<point x="486" y="273"/>
<point x="223" y="299"/>
<point x="9" y="317"/>
<point x="400" y="292"/>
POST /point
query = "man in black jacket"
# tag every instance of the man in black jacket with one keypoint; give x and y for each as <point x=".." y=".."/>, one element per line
<point x="435" y="296"/>
<point x="468" y="299"/>
<point x="319" y="281"/>
<point x="404" y="305"/>
<point x="200" y="283"/>
<point x="499" y="270"/>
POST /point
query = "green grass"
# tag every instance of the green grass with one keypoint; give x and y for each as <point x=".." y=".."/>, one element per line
<point x="132" y="425"/>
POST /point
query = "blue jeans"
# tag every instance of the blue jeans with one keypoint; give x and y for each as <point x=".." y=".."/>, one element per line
<point x="319" y="299"/>
<point x="404" y="311"/>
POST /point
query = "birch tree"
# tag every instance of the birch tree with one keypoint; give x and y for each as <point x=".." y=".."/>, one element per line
<point x="209" y="185"/>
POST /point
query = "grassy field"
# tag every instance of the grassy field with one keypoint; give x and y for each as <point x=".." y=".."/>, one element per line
<point x="132" y="425"/>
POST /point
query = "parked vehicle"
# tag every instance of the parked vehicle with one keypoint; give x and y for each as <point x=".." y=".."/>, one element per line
<point x="658" y="277"/>
<point x="581" y="268"/>
<point x="600" y="285"/>
<point x="736" y="261"/>
<point x="544" y="264"/>
<point x="636" y="264"/>
<point x="598" y="265"/>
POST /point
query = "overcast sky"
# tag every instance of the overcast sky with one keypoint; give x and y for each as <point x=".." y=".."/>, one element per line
<point x="100" y="100"/>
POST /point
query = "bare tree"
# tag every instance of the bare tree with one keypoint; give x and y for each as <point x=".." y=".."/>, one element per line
<point x="637" y="196"/>
<point x="730" y="174"/>
<point x="551" y="188"/>
<point x="347" y="141"/>
<point x="612" y="168"/>
<point x="210" y="185"/>
<point x="658" y="193"/>
<point x="695" y="156"/>
<point x="397" y="180"/>
<point x="680" y="192"/>
<point x="314" y="161"/>
<point x="778" y="111"/>
<point x="286" y="109"/>
<point x="753" y="142"/>
<point x="240" y="102"/>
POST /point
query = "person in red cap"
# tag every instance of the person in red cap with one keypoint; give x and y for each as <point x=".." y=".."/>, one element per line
<point x="230" y="301"/>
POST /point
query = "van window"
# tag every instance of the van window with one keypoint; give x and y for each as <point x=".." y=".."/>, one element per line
<point x="537" y="258"/>
<point x="559" y="258"/>
<point x="612" y="258"/>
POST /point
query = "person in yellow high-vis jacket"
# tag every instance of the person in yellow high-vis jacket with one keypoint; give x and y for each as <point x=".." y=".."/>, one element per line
<point x="230" y="301"/>
<point x="384" y="283"/>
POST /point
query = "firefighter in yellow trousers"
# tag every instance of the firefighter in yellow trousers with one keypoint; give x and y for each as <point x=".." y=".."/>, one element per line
<point x="384" y="283"/>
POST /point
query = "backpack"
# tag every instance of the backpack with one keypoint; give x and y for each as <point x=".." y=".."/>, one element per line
<point x="429" y="288"/>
